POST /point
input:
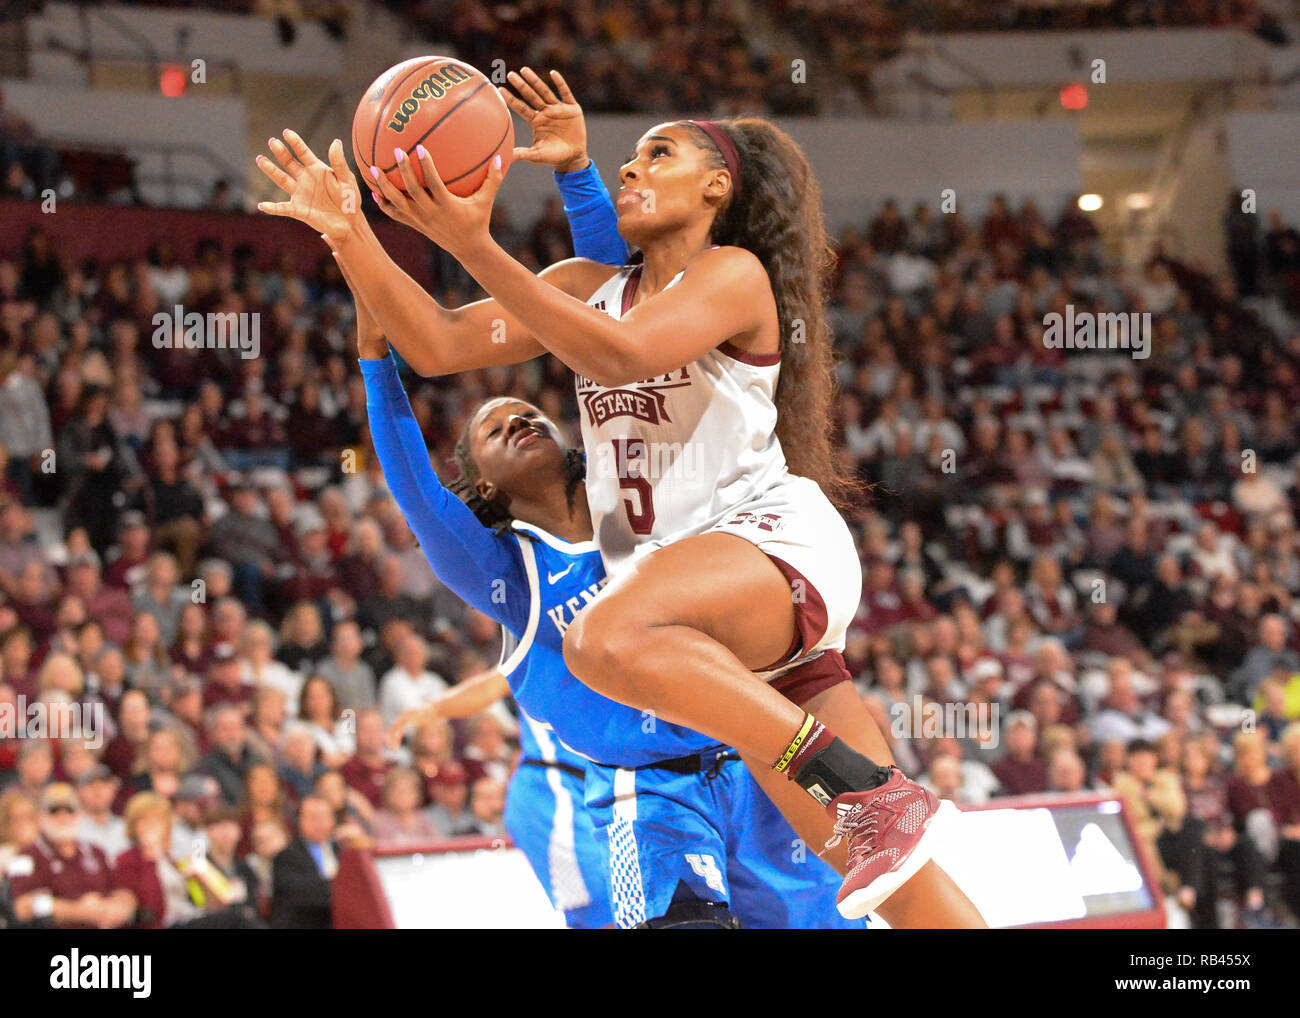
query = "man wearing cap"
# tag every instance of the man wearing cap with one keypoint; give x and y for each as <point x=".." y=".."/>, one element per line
<point x="61" y="880"/>
<point x="449" y="790"/>
<point x="225" y="683"/>
<point x="219" y="882"/>
<point x="100" y="826"/>
<point x="182" y="700"/>
<point x="314" y="575"/>
<point x="127" y="568"/>
<point x="1020" y="772"/>
<point x="197" y="794"/>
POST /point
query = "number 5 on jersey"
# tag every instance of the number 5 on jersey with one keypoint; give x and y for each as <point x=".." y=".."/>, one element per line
<point x="638" y="494"/>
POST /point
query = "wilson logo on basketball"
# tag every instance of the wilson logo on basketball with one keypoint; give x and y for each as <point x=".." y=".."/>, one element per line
<point x="432" y="88"/>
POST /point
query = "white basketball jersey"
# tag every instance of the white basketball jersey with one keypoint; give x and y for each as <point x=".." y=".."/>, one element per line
<point x="675" y="455"/>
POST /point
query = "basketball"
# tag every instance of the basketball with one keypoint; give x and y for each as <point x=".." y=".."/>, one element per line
<point x="443" y="104"/>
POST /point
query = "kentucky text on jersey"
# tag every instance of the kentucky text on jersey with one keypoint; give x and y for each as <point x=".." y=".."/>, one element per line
<point x="563" y="614"/>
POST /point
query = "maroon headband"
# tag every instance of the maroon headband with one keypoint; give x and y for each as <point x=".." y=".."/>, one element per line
<point x="725" y="146"/>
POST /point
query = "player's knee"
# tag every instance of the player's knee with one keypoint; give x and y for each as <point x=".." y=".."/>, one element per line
<point x="594" y="647"/>
<point x="586" y="646"/>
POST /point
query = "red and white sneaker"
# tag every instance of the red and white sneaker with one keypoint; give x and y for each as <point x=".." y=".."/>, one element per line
<point x="885" y="827"/>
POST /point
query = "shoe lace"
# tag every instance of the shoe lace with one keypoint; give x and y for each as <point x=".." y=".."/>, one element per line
<point x="860" y="821"/>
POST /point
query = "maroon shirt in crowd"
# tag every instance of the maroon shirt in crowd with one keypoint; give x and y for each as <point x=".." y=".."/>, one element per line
<point x="1020" y="777"/>
<point x="86" y="871"/>
<point x="366" y="778"/>
<point x="1284" y="797"/>
<point x="133" y="872"/>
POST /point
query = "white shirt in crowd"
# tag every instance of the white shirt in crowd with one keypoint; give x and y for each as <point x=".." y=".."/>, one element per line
<point x="399" y="690"/>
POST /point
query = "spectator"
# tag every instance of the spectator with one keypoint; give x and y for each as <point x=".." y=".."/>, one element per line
<point x="220" y="883"/>
<point x="62" y="881"/>
<point x="1283" y="792"/>
<point x="262" y="798"/>
<point x="1066" y="772"/>
<point x="1122" y="716"/>
<point x="233" y="752"/>
<point x="1020" y="771"/>
<point x="175" y="507"/>
<point x="304" y="871"/>
<point x="20" y="826"/>
<point x="302" y="638"/>
<point x="388" y="601"/>
<point x="300" y="769"/>
<point x="449" y="789"/>
<point x="332" y="728"/>
<point x="97" y="789"/>
<point x="164" y="762"/>
<point x="366" y="768"/>
<point x="262" y="670"/>
<point x="487" y="807"/>
<point x="160" y="594"/>
<point x="225" y="683"/>
<point x="409" y="683"/>
<point x="246" y="539"/>
<point x="1169" y="837"/>
<point x="400" y="821"/>
<point x="35" y="768"/>
<point x="125" y="748"/>
<point x="352" y="678"/>
<point x="127" y="569"/>
<point x="146" y="873"/>
<point x="1269" y="653"/>
<point x="1207" y="801"/>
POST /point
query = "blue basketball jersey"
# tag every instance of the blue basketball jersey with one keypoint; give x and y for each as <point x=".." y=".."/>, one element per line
<point x="562" y="579"/>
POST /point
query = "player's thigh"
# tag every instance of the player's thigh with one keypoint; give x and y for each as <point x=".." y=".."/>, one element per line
<point x="718" y="584"/>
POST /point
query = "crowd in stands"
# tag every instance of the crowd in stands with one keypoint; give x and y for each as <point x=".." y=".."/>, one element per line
<point x="1095" y="550"/>
<point x="1100" y="544"/>
<point x="693" y="56"/>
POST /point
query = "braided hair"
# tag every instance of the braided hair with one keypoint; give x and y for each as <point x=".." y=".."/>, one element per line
<point x="490" y="512"/>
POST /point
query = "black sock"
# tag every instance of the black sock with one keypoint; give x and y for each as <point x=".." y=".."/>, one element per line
<point x="837" y="769"/>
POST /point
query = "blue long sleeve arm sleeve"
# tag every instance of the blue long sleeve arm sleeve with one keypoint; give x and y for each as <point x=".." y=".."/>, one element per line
<point x="592" y="219"/>
<point x="482" y="567"/>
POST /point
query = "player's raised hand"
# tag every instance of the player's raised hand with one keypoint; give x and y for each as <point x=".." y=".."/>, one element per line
<point x="414" y="717"/>
<point x="323" y="195"/>
<point x="558" y="126"/>
<point x="455" y="224"/>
